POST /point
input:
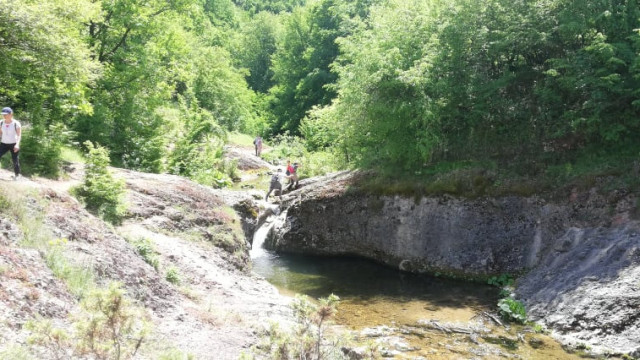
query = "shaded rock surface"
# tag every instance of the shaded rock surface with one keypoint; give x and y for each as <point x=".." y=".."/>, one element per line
<point x="580" y="254"/>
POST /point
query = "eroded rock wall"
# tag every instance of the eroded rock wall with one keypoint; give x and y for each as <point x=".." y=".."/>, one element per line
<point x="579" y="254"/>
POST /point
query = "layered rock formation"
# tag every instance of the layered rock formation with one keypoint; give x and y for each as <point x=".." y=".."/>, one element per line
<point x="579" y="255"/>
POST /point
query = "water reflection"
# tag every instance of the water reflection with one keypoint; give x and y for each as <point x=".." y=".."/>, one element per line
<point x="362" y="282"/>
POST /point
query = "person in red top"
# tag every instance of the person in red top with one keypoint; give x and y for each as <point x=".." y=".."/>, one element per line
<point x="292" y="175"/>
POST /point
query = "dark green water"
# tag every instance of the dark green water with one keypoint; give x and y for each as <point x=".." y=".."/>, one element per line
<point x="368" y="288"/>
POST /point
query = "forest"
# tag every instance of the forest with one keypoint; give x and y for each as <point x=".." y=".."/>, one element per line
<point x="402" y="86"/>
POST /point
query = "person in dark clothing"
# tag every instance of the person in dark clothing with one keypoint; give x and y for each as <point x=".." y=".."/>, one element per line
<point x="257" y="143"/>
<point x="275" y="184"/>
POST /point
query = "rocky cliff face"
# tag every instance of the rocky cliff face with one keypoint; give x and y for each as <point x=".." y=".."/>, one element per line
<point x="580" y="255"/>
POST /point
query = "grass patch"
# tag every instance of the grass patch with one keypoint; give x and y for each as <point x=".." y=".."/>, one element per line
<point x="15" y="352"/>
<point x="175" y="354"/>
<point x="30" y="220"/>
<point x="173" y="276"/>
<point x="244" y="140"/>
<point x="606" y="171"/>
<point x="145" y="248"/>
<point x="79" y="279"/>
<point x="72" y="155"/>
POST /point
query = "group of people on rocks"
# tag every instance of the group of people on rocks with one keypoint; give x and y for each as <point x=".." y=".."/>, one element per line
<point x="291" y="174"/>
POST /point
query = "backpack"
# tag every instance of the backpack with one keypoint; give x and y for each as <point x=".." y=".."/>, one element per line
<point x="275" y="178"/>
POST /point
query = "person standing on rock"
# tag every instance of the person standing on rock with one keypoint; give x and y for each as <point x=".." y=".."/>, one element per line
<point x="11" y="131"/>
<point x="275" y="185"/>
<point x="257" y="143"/>
<point x="292" y="175"/>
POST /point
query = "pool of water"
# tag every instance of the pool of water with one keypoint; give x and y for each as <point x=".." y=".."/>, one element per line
<point x="374" y="295"/>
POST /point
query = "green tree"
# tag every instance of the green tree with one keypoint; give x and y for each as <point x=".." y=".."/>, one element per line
<point x="45" y="65"/>
<point x="99" y="190"/>
<point x="259" y="37"/>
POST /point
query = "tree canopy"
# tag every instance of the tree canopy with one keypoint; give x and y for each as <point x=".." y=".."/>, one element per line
<point x="376" y="82"/>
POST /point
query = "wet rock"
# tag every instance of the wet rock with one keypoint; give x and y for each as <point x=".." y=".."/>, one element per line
<point x="357" y="353"/>
<point x="377" y="331"/>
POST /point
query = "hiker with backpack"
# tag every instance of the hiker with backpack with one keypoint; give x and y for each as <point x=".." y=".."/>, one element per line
<point x="11" y="131"/>
<point x="275" y="184"/>
<point x="292" y="175"/>
<point x="257" y="143"/>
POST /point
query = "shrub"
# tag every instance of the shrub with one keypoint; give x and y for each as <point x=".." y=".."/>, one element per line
<point x="100" y="191"/>
<point x="512" y="310"/>
<point x="41" y="150"/>
<point x="288" y="147"/>
<point x="501" y="281"/>
<point x="109" y="327"/>
<point x="307" y="339"/>
<point x="112" y="327"/>
<point x="144" y="247"/>
<point x="56" y="340"/>
<point x="173" y="276"/>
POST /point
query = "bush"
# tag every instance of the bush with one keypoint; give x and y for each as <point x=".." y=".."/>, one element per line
<point x="109" y="327"/>
<point x="144" y="247"/>
<point x="41" y="149"/>
<point x="288" y="147"/>
<point x="501" y="281"/>
<point x="173" y="276"/>
<point x="113" y="327"/>
<point x="307" y="339"/>
<point x="512" y="310"/>
<point x="100" y="191"/>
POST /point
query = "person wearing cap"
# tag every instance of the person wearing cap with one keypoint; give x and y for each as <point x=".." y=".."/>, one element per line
<point x="275" y="184"/>
<point x="11" y="131"/>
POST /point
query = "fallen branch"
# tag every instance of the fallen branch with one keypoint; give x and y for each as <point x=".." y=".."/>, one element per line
<point x="492" y="317"/>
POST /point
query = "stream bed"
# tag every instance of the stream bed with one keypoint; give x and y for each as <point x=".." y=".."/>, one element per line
<point x="408" y="316"/>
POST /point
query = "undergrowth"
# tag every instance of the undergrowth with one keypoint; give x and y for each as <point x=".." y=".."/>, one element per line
<point x="472" y="179"/>
<point x="145" y="248"/>
<point x="108" y="327"/>
<point x="30" y="220"/>
<point x="308" y="338"/>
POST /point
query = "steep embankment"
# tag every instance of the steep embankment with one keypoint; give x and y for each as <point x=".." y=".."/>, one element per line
<point x="209" y="307"/>
<point x="580" y="255"/>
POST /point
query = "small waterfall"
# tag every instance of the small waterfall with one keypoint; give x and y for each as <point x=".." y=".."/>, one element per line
<point x="258" y="240"/>
<point x="259" y="237"/>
